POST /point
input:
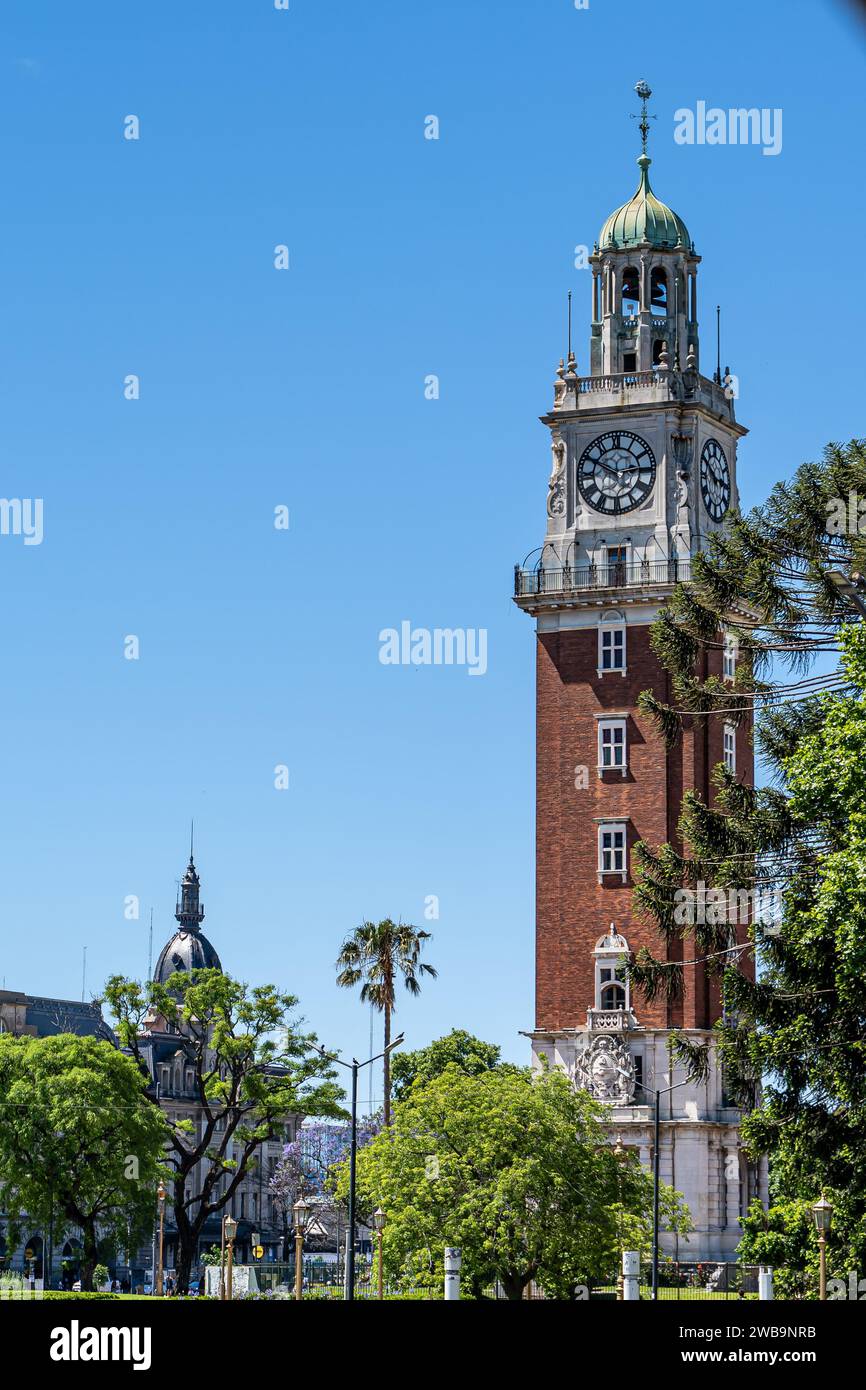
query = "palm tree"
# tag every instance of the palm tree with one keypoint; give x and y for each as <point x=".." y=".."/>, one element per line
<point x="377" y="954"/>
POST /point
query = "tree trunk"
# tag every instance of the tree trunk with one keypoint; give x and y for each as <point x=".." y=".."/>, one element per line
<point x="514" y="1284"/>
<point x="183" y="1266"/>
<point x="188" y="1233"/>
<point x="89" y="1255"/>
<point x="386" y="1067"/>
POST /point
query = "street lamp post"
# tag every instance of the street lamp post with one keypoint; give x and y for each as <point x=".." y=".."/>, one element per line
<point x="666" y="1090"/>
<point x="354" y="1067"/>
<point x="299" y="1211"/>
<point x="160" y="1196"/>
<point x="231" y="1229"/>
<point x="822" y="1213"/>
<point x="379" y="1219"/>
<point x="619" y="1154"/>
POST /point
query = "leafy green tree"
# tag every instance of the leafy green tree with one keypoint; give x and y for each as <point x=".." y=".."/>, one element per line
<point x="514" y="1170"/>
<point x="376" y="956"/>
<point x="79" y="1143"/>
<point x="253" y="1066"/>
<point x="459" y="1048"/>
<point x="793" y="1034"/>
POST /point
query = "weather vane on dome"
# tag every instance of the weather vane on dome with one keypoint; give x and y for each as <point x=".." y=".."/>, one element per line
<point x="644" y="91"/>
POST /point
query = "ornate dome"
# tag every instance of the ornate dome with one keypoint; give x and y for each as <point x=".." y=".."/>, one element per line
<point x="187" y="950"/>
<point x="644" y="219"/>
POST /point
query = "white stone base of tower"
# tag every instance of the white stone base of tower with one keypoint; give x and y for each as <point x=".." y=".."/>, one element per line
<point x="700" y="1150"/>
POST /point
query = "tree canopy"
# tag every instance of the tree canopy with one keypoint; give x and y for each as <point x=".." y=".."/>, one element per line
<point x="254" y="1068"/>
<point x="517" y="1171"/>
<point x="469" y="1054"/>
<point x="376" y="956"/>
<point x="80" y="1145"/>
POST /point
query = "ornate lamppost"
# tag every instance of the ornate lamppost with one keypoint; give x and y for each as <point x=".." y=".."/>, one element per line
<point x="299" y="1211"/>
<point x="822" y="1213"/>
<point x="379" y="1220"/>
<point x="620" y="1155"/>
<point x="231" y="1230"/>
<point x="161" y="1195"/>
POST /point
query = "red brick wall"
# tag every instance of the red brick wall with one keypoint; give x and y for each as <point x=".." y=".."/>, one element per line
<point x="572" y="909"/>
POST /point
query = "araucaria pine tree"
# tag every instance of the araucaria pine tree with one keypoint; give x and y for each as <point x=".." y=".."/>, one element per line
<point x="772" y="591"/>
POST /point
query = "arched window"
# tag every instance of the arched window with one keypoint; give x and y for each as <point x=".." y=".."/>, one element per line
<point x="658" y="349"/>
<point x="658" y="291"/>
<point x="631" y="290"/>
<point x="611" y="974"/>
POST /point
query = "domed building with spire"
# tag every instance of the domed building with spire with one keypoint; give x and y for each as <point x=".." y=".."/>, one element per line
<point x="189" y="948"/>
<point x="169" y="1061"/>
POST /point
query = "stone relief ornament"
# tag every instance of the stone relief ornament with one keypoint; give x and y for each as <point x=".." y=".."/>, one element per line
<point x="606" y="1070"/>
<point x="556" y="490"/>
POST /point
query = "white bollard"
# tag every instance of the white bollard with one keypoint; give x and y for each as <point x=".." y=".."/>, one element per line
<point x="453" y="1261"/>
<point x="630" y="1276"/>
<point x="765" y="1284"/>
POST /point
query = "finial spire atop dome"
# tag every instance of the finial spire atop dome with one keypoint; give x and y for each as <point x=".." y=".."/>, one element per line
<point x="189" y="911"/>
<point x="644" y="91"/>
<point x="644" y="220"/>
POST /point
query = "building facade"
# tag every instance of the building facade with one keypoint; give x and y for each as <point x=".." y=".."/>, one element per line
<point x="644" y="469"/>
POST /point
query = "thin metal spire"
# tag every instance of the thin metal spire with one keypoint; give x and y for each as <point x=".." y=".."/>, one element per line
<point x="644" y="91"/>
<point x="191" y="838"/>
<point x="718" y="343"/>
<point x="150" y="948"/>
<point x="569" y="323"/>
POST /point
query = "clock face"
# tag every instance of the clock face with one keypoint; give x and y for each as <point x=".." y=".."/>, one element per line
<point x="715" y="479"/>
<point x="616" y="472"/>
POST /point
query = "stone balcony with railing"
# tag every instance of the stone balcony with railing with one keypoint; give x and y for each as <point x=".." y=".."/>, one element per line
<point x="550" y="586"/>
<point x="583" y="393"/>
<point x="610" y="1020"/>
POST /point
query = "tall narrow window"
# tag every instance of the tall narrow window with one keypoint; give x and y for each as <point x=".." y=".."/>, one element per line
<point x="617" y="566"/>
<point x="729" y="657"/>
<point x="612" y="850"/>
<point x="630" y="291"/>
<point x="730" y="748"/>
<point x="611" y="644"/>
<point x="658" y="291"/>
<point x="611" y="745"/>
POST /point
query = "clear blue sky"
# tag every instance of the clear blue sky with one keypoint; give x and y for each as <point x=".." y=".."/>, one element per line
<point x="305" y="388"/>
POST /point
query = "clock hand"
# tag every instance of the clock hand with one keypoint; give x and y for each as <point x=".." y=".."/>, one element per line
<point x="617" y="473"/>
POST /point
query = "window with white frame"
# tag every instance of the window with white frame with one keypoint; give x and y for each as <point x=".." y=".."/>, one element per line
<point x="730" y="748"/>
<point x="611" y="644"/>
<point x="612" y="987"/>
<point x="611" y="974"/>
<point x="611" y="745"/>
<point x="729" y="657"/>
<point x="612" y="849"/>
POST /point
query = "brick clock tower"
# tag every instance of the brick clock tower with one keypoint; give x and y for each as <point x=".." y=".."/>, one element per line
<point x="644" y="468"/>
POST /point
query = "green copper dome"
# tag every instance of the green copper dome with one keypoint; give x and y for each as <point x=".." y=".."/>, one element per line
<point x="644" y="218"/>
